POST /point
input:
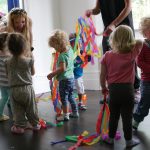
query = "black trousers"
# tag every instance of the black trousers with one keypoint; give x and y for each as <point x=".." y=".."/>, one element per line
<point x="106" y="47"/>
<point x="121" y="104"/>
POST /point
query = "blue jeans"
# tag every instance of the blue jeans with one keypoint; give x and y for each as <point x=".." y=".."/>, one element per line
<point x="5" y="92"/>
<point x="144" y="104"/>
<point x="66" y="93"/>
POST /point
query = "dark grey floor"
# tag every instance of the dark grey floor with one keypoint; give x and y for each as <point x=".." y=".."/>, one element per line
<point x="41" y="140"/>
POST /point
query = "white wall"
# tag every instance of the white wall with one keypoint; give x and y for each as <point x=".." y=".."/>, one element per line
<point x="45" y="17"/>
<point x="48" y="15"/>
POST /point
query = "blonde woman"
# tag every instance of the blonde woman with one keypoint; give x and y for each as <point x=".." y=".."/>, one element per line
<point x="117" y="69"/>
<point x="18" y="21"/>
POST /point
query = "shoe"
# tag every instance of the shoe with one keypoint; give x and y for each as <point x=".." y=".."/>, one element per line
<point x="36" y="127"/>
<point x="132" y="143"/>
<point x="60" y="118"/>
<point x="17" y="130"/>
<point x="74" y="115"/>
<point x="109" y="141"/>
<point x="81" y="106"/>
<point x="135" y="125"/>
<point x="4" y="118"/>
<point x="66" y="117"/>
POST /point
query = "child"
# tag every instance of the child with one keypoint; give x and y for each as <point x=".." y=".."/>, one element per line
<point x="117" y="68"/>
<point x="18" y="21"/>
<point x="20" y="70"/>
<point x="4" y="87"/>
<point x="78" y="73"/>
<point x="64" y="72"/>
<point x="143" y="62"/>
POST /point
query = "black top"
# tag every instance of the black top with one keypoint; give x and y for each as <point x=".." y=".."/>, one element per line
<point x="110" y="9"/>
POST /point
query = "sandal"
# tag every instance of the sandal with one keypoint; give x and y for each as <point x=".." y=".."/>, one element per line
<point x="17" y="130"/>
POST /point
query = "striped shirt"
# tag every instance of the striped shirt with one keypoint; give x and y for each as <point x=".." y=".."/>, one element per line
<point x="3" y="75"/>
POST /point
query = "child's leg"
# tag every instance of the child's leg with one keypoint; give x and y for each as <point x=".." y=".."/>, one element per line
<point x="144" y="104"/>
<point x="71" y="99"/>
<point x="81" y="92"/>
<point x="3" y="101"/>
<point x="64" y="94"/>
<point x="31" y="109"/>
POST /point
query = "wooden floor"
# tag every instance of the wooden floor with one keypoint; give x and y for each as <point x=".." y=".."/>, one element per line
<point x="87" y="120"/>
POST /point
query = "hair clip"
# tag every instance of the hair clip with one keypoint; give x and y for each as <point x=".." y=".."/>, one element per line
<point x="17" y="11"/>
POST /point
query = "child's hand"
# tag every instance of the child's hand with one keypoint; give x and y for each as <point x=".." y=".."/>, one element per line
<point x="105" y="91"/>
<point x="50" y="76"/>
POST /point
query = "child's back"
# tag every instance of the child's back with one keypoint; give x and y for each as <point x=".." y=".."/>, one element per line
<point x="117" y="68"/>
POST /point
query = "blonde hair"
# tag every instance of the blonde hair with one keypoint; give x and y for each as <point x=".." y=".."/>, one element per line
<point x="144" y="25"/>
<point x="122" y="39"/>
<point x="58" y="40"/>
<point x="20" y="13"/>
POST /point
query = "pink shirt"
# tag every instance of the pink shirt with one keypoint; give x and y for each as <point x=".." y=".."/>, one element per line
<point x="120" y="67"/>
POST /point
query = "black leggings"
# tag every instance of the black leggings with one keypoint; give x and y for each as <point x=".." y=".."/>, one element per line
<point x="121" y="103"/>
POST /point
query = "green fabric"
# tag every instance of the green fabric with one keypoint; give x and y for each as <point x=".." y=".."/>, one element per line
<point x="68" y="59"/>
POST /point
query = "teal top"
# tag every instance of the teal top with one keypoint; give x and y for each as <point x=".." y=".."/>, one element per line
<point x="67" y="58"/>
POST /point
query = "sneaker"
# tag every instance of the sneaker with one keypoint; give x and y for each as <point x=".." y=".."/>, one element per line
<point x="135" y="125"/>
<point x="74" y="115"/>
<point x="36" y="127"/>
<point x="4" y="118"/>
<point x="131" y="143"/>
<point x="17" y="130"/>
<point x="60" y="118"/>
<point x="109" y="141"/>
<point x="66" y="117"/>
<point x="82" y="107"/>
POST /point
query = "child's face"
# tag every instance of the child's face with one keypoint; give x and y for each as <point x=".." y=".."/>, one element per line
<point x="19" y="24"/>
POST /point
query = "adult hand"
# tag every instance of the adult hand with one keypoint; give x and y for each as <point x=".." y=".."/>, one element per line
<point x="109" y="29"/>
<point x="88" y="12"/>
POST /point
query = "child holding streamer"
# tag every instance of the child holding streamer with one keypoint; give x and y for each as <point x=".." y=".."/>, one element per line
<point x="78" y="74"/>
<point x="64" y="72"/>
<point x="120" y="78"/>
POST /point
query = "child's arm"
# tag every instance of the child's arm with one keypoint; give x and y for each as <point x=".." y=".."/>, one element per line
<point x="103" y="78"/>
<point x="62" y="68"/>
<point x="32" y="70"/>
<point x="138" y="45"/>
<point x="142" y="64"/>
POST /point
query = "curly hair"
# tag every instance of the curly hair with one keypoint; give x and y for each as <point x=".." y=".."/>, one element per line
<point x="122" y="39"/>
<point x="58" y="40"/>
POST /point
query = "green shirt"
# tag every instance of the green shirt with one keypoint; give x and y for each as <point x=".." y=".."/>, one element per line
<point x="68" y="59"/>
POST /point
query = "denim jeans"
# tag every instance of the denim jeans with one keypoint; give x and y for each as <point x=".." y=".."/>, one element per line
<point x="66" y="93"/>
<point x="144" y="104"/>
<point x="5" y="92"/>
